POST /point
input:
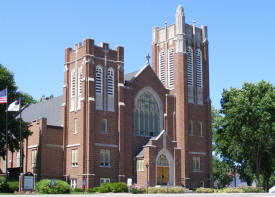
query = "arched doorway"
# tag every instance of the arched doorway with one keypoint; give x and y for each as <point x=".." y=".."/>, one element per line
<point x="162" y="170"/>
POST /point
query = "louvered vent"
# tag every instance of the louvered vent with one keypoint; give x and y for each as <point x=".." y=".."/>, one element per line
<point x="171" y="69"/>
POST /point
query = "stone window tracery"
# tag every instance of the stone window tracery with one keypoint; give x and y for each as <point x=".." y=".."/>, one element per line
<point x="147" y="115"/>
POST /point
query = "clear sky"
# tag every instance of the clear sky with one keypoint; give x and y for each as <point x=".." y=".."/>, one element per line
<point x="34" y="35"/>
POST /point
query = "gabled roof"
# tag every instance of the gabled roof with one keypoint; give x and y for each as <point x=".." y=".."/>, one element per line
<point x="130" y="76"/>
<point x="50" y="109"/>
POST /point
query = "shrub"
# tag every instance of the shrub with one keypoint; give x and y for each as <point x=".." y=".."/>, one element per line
<point x="250" y="189"/>
<point x="4" y="188"/>
<point x="118" y="187"/>
<point x="60" y="187"/>
<point x="92" y="190"/>
<point x="2" y="179"/>
<point x="138" y="189"/>
<point x="157" y="190"/>
<point x="204" y="190"/>
<point x="13" y="185"/>
<point x="78" y="190"/>
<point x="232" y="190"/>
<point x="104" y="188"/>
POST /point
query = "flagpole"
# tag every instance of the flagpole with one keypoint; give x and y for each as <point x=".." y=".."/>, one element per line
<point x="6" y="178"/>
<point x="21" y="163"/>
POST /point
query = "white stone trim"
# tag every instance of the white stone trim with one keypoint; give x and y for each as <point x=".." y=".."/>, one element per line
<point x="106" y="145"/>
<point x="171" y="164"/>
<point x="83" y="79"/>
<point x="197" y="153"/>
<point x="72" y="145"/>
<point x="89" y="55"/>
<point x="91" y="99"/>
<point x="120" y="84"/>
<point x="158" y="100"/>
<point x="65" y="68"/>
<point x="65" y="85"/>
<point x="149" y="145"/>
<point x="54" y="145"/>
<point x="63" y="105"/>
<point x="91" y="79"/>
<point x="82" y="99"/>
<point x="121" y="103"/>
<point x="33" y="146"/>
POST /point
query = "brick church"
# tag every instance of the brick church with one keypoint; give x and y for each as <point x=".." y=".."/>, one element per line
<point x="152" y="125"/>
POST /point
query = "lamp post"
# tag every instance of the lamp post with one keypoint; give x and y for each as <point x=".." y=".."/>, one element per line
<point x="147" y="181"/>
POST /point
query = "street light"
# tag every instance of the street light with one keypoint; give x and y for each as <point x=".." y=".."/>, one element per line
<point x="147" y="182"/>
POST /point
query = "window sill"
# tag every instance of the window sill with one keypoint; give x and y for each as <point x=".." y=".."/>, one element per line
<point x="103" y="132"/>
<point x="74" y="166"/>
<point x="109" y="166"/>
<point x="75" y="133"/>
<point x="196" y="171"/>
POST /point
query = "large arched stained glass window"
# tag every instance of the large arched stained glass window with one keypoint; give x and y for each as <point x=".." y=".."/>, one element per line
<point x="147" y="115"/>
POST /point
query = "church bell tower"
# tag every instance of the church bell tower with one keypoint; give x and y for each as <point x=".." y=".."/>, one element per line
<point x="180" y="60"/>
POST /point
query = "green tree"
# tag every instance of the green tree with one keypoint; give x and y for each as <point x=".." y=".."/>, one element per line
<point x="7" y="80"/>
<point x="247" y="131"/>
<point x="222" y="172"/>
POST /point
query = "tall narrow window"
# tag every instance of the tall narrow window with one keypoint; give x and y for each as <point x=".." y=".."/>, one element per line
<point x="75" y="126"/>
<point x="105" y="158"/>
<point x="4" y="166"/>
<point x="98" y="87"/>
<point x="110" y="89"/>
<point x="34" y="158"/>
<point x="79" y="87"/>
<point x="72" y="90"/>
<point x="171" y="72"/>
<point x="198" y="68"/>
<point x="196" y="164"/>
<point x="162" y="67"/>
<point x="189" y="66"/>
<point x="190" y="128"/>
<point x="104" y="126"/>
<point x="18" y="159"/>
<point x="110" y="78"/>
<point x="74" y="157"/>
<point x="98" y="80"/>
<point x="140" y="165"/>
<point x="200" y="129"/>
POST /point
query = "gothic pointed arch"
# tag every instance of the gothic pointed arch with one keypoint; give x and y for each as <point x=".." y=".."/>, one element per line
<point x="147" y="113"/>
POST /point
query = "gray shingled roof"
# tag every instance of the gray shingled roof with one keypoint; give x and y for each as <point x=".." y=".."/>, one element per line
<point x="50" y="109"/>
<point x="129" y="76"/>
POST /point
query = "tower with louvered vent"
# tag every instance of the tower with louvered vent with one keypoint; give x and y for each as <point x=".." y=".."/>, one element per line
<point x="180" y="60"/>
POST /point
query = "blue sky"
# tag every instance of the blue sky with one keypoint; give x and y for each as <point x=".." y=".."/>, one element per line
<point x="34" y="35"/>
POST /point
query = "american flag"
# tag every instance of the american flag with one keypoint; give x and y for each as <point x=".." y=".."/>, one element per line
<point x="3" y="96"/>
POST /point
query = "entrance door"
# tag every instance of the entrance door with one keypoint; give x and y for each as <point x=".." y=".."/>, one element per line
<point x="162" y="170"/>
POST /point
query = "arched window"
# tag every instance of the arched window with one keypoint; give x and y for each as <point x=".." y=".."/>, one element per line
<point x="147" y="115"/>
<point x="98" y="79"/>
<point x="79" y="87"/>
<point x="189" y="66"/>
<point x="162" y="67"/>
<point x="162" y="160"/>
<point x="198" y="68"/>
<point x="98" y="87"/>
<point x="110" y="83"/>
<point x="72" y="90"/>
<point x="110" y="89"/>
<point x="171" y="72"/>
